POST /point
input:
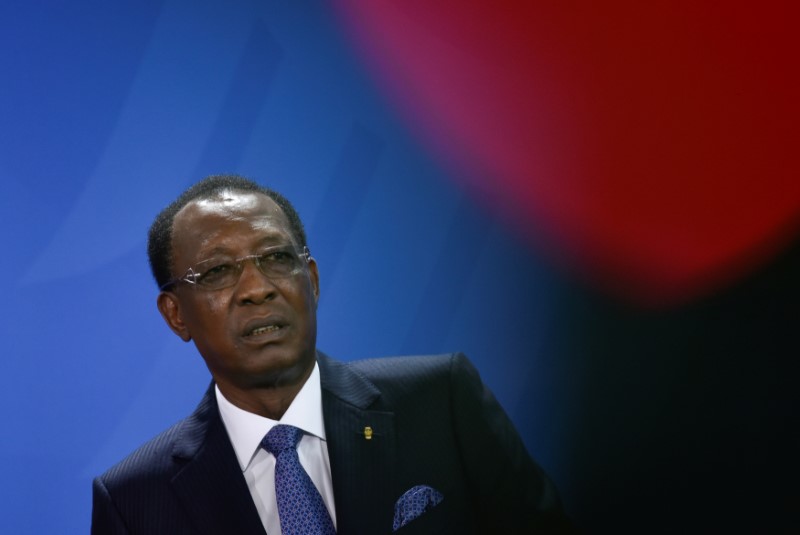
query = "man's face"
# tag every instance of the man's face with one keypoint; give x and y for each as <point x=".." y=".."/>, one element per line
<point x="260" y="332"/>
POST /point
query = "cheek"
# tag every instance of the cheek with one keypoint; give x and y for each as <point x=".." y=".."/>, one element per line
<point x="306" y="303"/>
<point x="217" y="308"/>
<point x="210" y="311"/>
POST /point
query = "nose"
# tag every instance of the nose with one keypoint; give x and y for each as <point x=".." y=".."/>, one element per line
<point x="254" y="287"/>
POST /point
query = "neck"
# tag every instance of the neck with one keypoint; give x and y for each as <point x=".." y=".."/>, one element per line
<point x="270" y="401"/>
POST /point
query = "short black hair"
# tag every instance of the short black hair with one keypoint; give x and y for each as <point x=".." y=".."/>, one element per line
<point x="159" y="239"/>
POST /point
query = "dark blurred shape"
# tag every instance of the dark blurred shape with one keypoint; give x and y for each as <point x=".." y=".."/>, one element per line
<point x="686" y="421"/>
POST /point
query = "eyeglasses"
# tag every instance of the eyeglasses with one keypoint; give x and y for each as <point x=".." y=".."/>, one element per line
<point x="277" y="262"/>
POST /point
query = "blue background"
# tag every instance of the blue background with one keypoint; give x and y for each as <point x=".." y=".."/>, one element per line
<point x="109" y="110"/>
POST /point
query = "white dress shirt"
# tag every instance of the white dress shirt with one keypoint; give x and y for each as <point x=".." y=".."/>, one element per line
<point x="246" y="430"/>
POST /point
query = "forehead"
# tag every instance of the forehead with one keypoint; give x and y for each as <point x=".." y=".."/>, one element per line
<point x="228" y="220"/>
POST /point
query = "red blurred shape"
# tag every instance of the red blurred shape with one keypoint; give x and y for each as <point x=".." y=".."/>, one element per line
<point x="651" y="144"/>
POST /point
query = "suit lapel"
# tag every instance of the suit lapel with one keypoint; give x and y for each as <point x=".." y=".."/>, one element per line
<point x="362" y="470"/>
<point x="211" y="485"/>
<point x="214" y="492"/>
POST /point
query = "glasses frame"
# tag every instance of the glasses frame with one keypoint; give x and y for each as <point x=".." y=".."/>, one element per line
<point x="192" y="274"/>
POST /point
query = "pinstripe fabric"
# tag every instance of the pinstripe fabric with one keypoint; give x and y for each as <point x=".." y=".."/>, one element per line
<point x="156" y="489"/>
<point x="453" y="436"/>
<point x="434" y="410"/>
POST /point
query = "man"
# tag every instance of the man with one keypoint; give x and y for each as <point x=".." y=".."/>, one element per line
<point x="412" y="445"/>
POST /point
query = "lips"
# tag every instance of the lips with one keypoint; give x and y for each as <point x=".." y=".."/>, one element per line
<point x="262" y="330"/>
<point x="263" y="327"/>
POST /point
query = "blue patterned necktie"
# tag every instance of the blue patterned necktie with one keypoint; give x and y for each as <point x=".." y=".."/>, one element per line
<point x="300" y="506"/>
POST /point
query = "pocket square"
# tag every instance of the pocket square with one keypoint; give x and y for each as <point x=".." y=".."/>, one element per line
<point x="413" y="503"/>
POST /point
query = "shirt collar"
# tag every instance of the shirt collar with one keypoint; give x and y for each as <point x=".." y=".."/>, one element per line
<point x="246" y="429"/>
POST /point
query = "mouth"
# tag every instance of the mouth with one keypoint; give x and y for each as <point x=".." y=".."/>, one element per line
<point x="263" y="328"/>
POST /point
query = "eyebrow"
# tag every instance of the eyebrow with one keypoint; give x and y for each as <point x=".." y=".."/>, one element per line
<point x="269" y="240"/>
<point x="276" y="239"/>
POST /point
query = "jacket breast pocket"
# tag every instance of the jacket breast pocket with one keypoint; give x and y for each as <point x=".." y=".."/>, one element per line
<point x="437" y="519"/>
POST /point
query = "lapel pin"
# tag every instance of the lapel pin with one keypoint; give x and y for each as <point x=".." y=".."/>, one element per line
<point x="368" y="433"/>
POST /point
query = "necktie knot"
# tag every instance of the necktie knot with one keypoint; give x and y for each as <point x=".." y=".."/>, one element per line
<point x="281" y="438"/>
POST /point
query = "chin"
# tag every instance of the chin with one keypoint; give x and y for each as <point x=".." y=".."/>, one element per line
<point x="280" y="371"/>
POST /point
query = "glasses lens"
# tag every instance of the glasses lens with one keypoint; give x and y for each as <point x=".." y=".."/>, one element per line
<point x="279" y="262"/>
<point x="219" y="275"/>
<point x="275" y="263"/>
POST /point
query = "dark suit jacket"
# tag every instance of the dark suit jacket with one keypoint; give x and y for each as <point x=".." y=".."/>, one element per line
<point x="433" y="421"/>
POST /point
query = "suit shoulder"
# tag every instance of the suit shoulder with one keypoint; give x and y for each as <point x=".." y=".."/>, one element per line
<point x="414" y="373"/>
<point x="151" y="459"/>
<point x="403" y="366"/>
<point x="412" y="365"/>
<point x="164" y="454"/>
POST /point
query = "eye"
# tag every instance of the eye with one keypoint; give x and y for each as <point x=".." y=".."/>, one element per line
<point x="280" y="256"/>
<point x="278" y="262"/>
<point x="216" y="273"/>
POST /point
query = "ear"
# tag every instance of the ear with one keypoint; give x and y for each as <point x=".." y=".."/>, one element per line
<point x="313" y="274"/>
<point x="170" y="309"/>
